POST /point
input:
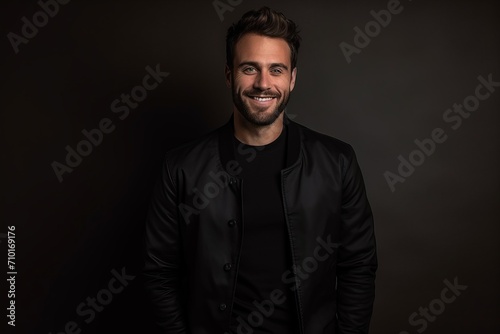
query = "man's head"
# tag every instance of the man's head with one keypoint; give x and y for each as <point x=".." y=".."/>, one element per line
<point x="261" y="68"/>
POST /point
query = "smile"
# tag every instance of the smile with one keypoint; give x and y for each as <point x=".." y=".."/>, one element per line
<point x="262" y="98"/>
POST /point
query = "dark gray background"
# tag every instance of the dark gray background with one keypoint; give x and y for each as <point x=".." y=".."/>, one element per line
<point x="440" y="224"/>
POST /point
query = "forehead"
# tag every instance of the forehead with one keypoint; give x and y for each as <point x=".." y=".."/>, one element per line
<point x="261" y="49"/>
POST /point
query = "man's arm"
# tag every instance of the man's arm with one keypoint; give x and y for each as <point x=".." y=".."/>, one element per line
<point x="357" y="257"/>
<point x="162" y="266"/>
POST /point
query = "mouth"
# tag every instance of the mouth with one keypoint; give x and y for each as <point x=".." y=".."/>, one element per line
<point x="262" y="99"/>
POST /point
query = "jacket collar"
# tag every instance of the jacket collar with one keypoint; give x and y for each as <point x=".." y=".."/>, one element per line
<point x="226" y="137"/>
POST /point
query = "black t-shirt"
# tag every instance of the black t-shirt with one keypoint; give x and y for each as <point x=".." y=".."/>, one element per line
<point x="265" y="254"/>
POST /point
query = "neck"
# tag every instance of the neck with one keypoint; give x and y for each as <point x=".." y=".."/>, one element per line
<point x="254" y="135"/>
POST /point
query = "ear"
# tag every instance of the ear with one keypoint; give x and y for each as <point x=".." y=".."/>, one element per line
<point x="227" y="73"/>
<point x="294" y="77"/>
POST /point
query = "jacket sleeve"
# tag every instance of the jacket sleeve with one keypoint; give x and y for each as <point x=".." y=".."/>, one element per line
<point x="357" y="258"/>
<point x="162" y="272"/>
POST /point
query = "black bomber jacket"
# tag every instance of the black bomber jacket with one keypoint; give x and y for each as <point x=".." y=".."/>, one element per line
<point x="194" y="233"/>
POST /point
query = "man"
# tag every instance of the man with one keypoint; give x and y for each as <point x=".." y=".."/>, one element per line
<point x="263" y="225"/>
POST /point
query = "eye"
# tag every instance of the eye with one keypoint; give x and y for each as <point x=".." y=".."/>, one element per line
<point x="277" y="70"/>
<point x="249" y="70"/>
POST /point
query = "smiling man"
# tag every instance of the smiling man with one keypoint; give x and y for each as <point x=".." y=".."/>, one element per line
<point x="263" y="225"/>
<point x="261" y="78"/>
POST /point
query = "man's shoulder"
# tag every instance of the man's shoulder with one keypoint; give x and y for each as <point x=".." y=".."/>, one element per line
<point x="316" y="139"/>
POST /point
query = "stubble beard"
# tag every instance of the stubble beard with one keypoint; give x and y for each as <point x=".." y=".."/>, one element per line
<point x="258" y="116"/>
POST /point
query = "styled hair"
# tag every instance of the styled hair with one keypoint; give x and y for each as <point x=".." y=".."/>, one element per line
<point x="265" y="22"/>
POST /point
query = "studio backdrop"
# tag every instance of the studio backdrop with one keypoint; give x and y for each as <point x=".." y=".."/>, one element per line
<point x="95" y="92"/>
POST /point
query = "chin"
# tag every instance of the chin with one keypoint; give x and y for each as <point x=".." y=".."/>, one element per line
<point x="266" y="117"/>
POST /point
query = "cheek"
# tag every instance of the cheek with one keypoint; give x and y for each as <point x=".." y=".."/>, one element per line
<point x="285" y="87"/>
<point x="285" y="84"/>
<point x="245" y="80"/>
<point x="241" y="85"/>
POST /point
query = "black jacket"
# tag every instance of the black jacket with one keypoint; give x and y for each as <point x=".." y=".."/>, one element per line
<point x="194" y="232"/>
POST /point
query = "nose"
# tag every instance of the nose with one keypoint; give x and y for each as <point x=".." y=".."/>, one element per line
<point x="262" y="81"/>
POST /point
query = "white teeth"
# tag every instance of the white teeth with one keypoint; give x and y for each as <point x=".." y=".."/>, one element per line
<point x="262" y="99"/>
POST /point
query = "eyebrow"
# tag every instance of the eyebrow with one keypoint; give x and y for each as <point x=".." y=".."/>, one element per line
<point x="255" y="64"/>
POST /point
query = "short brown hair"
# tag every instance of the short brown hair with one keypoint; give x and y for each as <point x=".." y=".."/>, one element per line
<point x="265" y="22"/>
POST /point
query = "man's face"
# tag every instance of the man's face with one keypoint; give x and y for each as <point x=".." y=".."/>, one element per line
<point x="262" y="78"/>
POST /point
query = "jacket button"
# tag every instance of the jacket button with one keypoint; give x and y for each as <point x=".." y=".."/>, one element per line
<point x="227" y="267"/>
<point x="232" y="180"/>
<point x="232" y="222"/>
<point x="222" y="307"/>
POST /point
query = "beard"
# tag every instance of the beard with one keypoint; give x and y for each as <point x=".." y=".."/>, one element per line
<point x="255" y="115"/>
